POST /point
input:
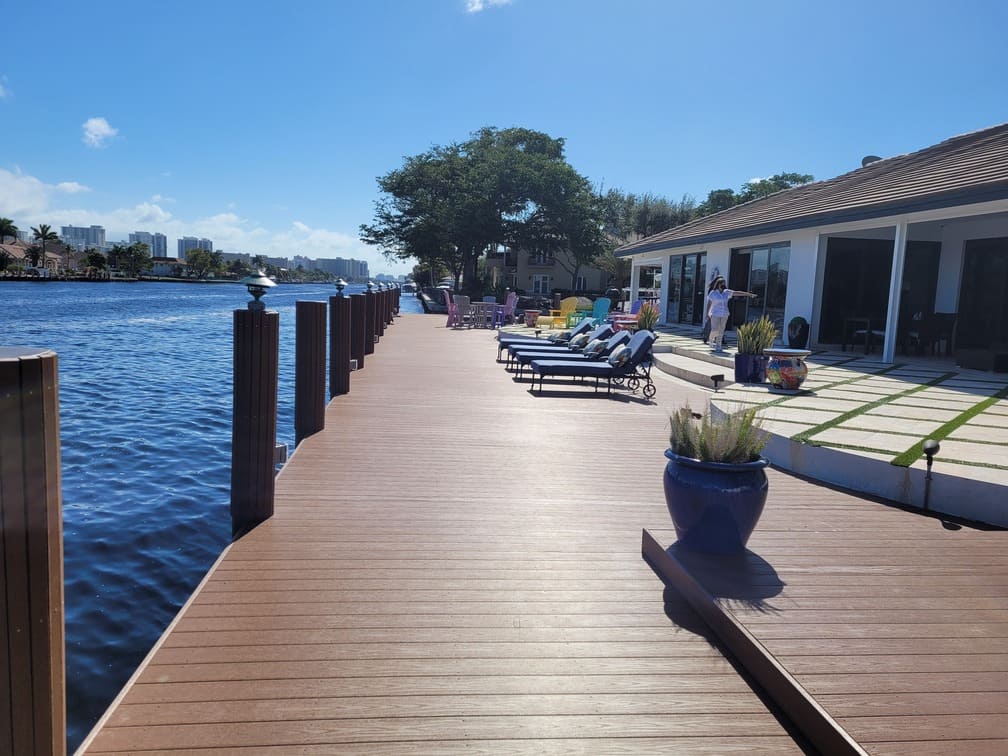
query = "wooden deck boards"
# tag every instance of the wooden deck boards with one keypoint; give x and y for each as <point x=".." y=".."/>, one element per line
<point x="453" y="566"/>
<point x="895" y="625"/>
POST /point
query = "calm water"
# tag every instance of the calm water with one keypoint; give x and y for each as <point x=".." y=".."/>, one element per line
<point x="145" y="413"/>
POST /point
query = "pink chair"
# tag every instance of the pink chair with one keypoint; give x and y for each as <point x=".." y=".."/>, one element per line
<point x="505" y="313"/>
<point x="626" y="320"/>
<point x="453" y="312"/>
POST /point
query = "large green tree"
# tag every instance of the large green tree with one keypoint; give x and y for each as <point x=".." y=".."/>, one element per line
<point x="7" y="228"/>
<point x="135" y="259"/>
<point x="513" y="187"/>
<point x="43" y="233"/>
<point x="721" y="199"/>
<point x="200" y="262"/>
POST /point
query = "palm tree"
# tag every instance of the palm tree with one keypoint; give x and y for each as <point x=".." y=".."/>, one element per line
<point x="7" y="228"/>
<point x="44" y="233"/>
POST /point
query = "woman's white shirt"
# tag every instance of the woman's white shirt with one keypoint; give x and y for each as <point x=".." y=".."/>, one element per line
<point x="719" y="302"/>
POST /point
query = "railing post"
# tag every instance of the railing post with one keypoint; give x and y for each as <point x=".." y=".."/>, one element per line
<point x="398" y="294"/>
<point x="380" y="321"/>
<point x="253" y="434"/>
<point x="339" y="346"/>
<point x="358" y="328"/>
<point x="309" y="369"/>
<point x="370" y="332"/>
<point x="32" y="661"/>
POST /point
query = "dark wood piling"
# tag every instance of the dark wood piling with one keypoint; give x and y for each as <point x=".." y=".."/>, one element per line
<point x="339" y="345"/>
<point x="370" y="318"/>
<point x="32" y="663"/>
<point x="358" y="328"/>
<point x="381" y="307"/>
<point x="253" y="436"/>
<point x="309" y="369"/>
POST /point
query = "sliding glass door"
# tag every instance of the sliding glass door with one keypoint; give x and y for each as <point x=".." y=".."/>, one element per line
<point x="764" y="272"/>
<point x="687" y="288"/>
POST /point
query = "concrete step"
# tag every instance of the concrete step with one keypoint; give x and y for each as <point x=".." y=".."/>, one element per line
<point x="700" y="372"/>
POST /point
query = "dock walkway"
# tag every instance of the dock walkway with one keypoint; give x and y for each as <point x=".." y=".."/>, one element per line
<point x="455" y="565"/>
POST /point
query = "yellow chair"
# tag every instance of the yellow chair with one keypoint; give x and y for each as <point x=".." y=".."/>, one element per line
<point x="558" y="318"/>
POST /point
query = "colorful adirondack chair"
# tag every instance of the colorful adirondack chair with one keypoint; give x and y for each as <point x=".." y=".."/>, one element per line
<point x="453" y="313"/>
<point x="622" y="320"/>
<point x="600" y="310"/>
<point x="558" y="318"/>
<point x="504" y="314"/>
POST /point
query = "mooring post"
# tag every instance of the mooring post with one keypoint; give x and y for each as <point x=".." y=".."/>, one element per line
<point x="33" y="680"/>
<point x="380" y="321"/>
<point x="370" y="317"/>
<point x="339" y="346"/>
<point x="253" y="434"/>
<point x="358" y="328"/>
<point x="309" y="369"/>
<point x="398" y="294"/>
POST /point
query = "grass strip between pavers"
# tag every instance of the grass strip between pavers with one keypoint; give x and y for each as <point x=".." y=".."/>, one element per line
<point x="914" y="453"/>
<point x="803" y="437"/>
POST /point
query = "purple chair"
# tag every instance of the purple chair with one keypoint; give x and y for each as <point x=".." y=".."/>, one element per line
<point x="505" y="313"/>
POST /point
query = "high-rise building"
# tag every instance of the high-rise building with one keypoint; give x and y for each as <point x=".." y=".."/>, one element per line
<point x="156" y="243"/>
<point x="81" y="237"/>
<point x="187" y="243"/>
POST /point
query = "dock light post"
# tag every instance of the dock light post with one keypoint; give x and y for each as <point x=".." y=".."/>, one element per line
<point x="257" y="285"/>
<point x="931" y="448"/>
<point x="254" y="422"/>
<point x="339" y="341"/>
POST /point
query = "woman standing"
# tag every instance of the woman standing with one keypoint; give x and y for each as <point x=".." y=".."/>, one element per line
<point x="717" y="310"/>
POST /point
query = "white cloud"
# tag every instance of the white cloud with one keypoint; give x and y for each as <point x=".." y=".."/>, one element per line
<point x="71" y="187"/>
<point x="161" y="198"/>
<point x="97" y="131"/>
<point x="475" y="6"/>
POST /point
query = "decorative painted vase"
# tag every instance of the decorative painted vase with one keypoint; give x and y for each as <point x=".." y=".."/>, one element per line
<point x="786" y="368"/>
<point x="714" y="505"/>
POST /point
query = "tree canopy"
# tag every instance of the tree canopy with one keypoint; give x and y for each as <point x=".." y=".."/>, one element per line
<point x="7" y="228"/>
<point x="722" y="199"/>
<point x="510" y="187"/>
<point x="134" y="259"/>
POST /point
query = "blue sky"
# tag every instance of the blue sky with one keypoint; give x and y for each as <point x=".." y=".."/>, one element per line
<point x="264" y="125"/>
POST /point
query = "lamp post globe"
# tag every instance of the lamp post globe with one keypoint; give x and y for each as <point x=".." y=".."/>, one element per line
<point x="257" y="286"/>
<point x="340" y="285"/>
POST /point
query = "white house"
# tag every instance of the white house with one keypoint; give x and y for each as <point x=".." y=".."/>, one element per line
<point x="910" y="250"/>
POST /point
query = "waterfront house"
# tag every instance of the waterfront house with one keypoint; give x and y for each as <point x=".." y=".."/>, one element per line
<point x="541" y="274"/>
<point x="17" y="260"/>
<point x="875" y="256"/>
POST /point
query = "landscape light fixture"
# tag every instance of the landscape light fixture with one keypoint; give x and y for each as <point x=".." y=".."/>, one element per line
<point x="931" y="448"/>
<point x="340" y="285"/>
<point x="370" y="286"/>
<point x="257" y="286"/>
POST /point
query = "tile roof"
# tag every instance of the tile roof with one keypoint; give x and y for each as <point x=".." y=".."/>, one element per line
<point x="964" y="169"/>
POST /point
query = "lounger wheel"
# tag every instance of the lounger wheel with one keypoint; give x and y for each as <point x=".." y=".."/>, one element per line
<point x="633" y="383"/>
<point x="650" y="390"/>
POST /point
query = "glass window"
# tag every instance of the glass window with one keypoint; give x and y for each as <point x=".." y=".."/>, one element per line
<point x="540" y="283"/>
<point x="764" y="272"/>
<point x="581" y="284"/>
<point x="674" y="288"/>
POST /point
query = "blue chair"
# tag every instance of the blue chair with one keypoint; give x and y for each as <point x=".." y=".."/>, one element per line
<point x="506" y="338"/>
<point x="574" y="344"/>
<point x="600" y="310"/>
<point x="601" y="351"/>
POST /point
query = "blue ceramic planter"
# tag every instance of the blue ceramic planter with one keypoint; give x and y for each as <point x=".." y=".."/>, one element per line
<point x="714" y="506"/>
<point x="750" y="368"/>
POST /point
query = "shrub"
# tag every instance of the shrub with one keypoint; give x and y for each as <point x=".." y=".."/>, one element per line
<point x="736" y="438"/>
<point x="756" y="335"/>
<point x="647" y="316"/>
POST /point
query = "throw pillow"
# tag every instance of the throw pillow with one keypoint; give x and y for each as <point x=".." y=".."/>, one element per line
<point x="579" y="341"/>
<point x="620" y="356"/>
<point x="594" y="346"/>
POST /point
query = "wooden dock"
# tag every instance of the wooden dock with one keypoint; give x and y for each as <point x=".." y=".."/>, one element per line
<point x="455" y="565"/>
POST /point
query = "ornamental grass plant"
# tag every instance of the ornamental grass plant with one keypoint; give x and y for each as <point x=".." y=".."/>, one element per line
<point x="647" y="316"/>
<point x="756" y="335"/>
<point x="735" y="438"/>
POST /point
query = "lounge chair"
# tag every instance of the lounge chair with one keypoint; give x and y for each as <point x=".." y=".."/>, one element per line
<point x="506" y="338"/>
<point x="576" y="343"/>
<point x="633" y="366"/>
<point x="601" y="351"/>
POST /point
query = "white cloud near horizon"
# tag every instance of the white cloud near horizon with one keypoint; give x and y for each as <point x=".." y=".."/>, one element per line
<point x="29" y="201"/>
<point x="475" y="6"/>
<point x="97" y="131"/>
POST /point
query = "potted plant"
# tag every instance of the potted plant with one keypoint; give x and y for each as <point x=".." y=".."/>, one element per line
<point x="715" y="482"/>
<point x="647" y="317"/>
<point x="797" y="332"/>
<point x="753" y="338"/>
